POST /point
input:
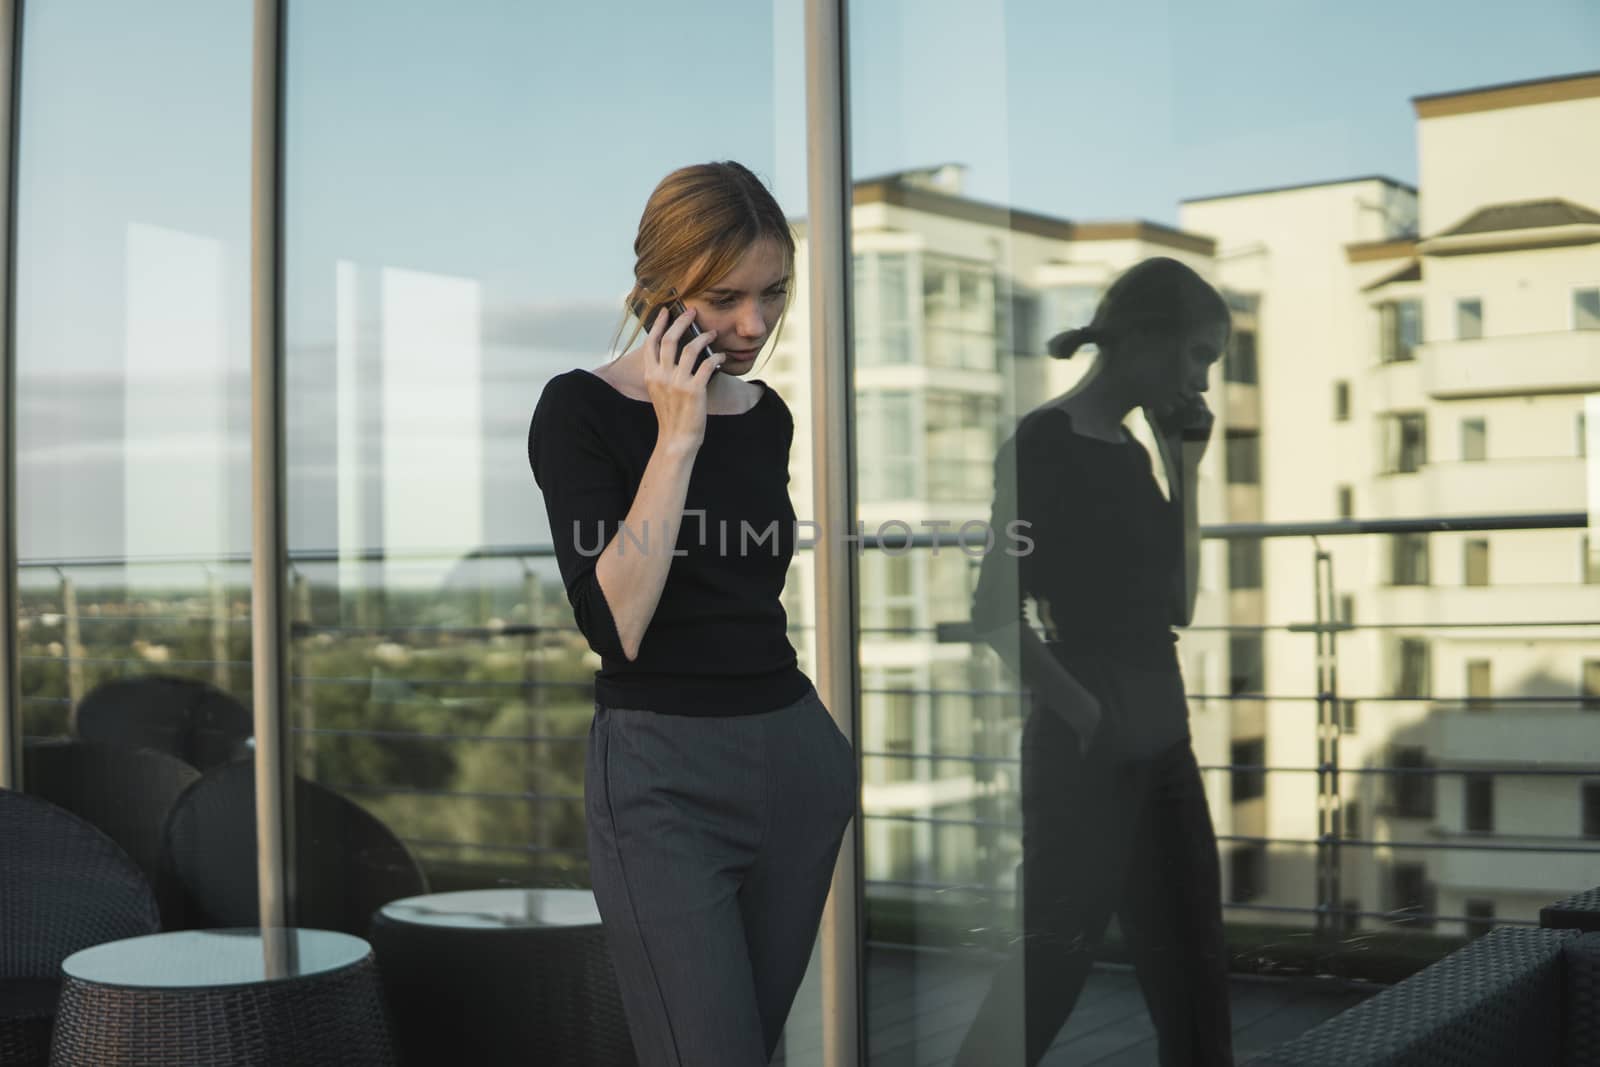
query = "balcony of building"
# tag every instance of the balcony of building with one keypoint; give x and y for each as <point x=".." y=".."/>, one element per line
<point x="1530" y="364"/>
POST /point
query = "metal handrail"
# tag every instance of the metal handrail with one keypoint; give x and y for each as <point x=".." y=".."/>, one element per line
<point x="948" y="632"/>
<point x="1562" y="520"/>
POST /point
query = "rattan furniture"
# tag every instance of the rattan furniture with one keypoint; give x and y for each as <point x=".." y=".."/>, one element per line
<point x="1515" y="996"/>
<point x="214" y="999"/>
<point x="347" y="862"/>
<point x="1581" y="911"/>
<point x="64" y="886"/>
<point x="126" y="793"/>
<point x="183" y="717"/>
<point x="501" y="976"/>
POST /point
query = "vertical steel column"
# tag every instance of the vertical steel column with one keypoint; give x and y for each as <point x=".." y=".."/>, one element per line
<point x="1330" y="814"/>
<point x="269" y="615"/>
<point x="833" y="460"/>
<point x="10" y="667"/>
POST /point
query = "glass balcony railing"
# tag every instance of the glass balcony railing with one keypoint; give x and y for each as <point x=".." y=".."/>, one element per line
<point x="1344" y="808"/>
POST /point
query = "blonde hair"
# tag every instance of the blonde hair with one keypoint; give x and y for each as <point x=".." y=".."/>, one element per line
<point x="698" y="223"/>
<point x="1157" y="295"/>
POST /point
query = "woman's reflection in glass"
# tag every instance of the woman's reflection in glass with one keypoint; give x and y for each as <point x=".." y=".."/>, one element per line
<point x="1115" y="820"/>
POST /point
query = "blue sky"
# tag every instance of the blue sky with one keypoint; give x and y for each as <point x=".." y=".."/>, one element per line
<point x="514" y="144"/>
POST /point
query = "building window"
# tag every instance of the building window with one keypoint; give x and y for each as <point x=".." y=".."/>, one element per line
<point x="883" y="299"/>
<point x="1480" y="916"/>
<point x="1586" y="309"/>
<point x="1244" y="563"/>
<point x="959" y="430"/>
<point x="1405" y="444"/>
<point x="1341" y="401"/>
<point x="1480" y="686"/>
<point x="1399" y="330"/>
<point x="1591" y="685"/>
<point x="896" y="702"/>
<point x="1479" y="813"/>
<point x="1247" y="871"/>
<point x="959" y="313"/>
<point x="1347" y="608"/>
<point x="1411" y="897"/>
<point x="1026" y="328"/>
<point x="1244" y="457"/>
<point x="1591" y="809"/>
<point x="1412" y="678"/>
<point x="1239" y="363"/>
<point x="1347" y="713"/>
<point x="1469" y="319"/>
<point x="1474" y="440"/>
<point x="1411" y="787"/>
<point x="1347" y="502"/>
<point x="886" y="420"/>
<point x="1475" y="562"/>
<point x="1350" y="817"/>
<point x="1408" y="559"/>
<point x="1246" y="664"/>
<point x="1247" y="757"/>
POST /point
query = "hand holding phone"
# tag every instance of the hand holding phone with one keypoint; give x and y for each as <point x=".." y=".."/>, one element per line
<point x="676" y="308"/>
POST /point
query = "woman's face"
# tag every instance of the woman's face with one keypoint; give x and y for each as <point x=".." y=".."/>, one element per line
<point x="1172" y="371"/>
<point x="744" y="305"/>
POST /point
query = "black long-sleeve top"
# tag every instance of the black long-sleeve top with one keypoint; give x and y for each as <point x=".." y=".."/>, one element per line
<point x="1106" y="552"/>
<point x="718" y="643"/>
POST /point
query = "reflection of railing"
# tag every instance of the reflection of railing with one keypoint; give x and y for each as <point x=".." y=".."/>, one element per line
<point x="1330" y="911"/>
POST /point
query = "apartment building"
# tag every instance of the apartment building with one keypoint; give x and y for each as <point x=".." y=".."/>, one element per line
<point x="954" y="300"/>
<point x="1435" y="352"/>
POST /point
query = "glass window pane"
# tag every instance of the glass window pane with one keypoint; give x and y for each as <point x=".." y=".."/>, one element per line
<point x="1586" y="309"/>
<point x="132" y="370"/>
<point x="1330" y="285"/>
<point x="1474" y="440"/>
<point x="463" y="192"/>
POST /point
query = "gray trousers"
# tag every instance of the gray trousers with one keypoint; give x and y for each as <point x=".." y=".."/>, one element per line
<point x="712" y="843"/>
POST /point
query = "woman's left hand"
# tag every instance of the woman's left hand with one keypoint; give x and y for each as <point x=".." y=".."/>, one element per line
<point x="1191" y="420"/>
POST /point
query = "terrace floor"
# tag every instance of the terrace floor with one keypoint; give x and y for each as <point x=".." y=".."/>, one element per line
<point x="920" y="1003"/>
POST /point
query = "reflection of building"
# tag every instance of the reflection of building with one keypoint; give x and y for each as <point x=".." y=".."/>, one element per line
<point x="1429" y="355"/>
<point x="1394" y="356"/>
<point x="954" y="300"/>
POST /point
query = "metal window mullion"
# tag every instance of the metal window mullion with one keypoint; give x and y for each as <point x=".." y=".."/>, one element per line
<point x="10" y="664"/>
<point x="269" y="637"/>
<point x="828" y="228"/>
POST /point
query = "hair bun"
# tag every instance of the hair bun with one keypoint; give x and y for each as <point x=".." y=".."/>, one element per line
<point x="1063" y="345"/>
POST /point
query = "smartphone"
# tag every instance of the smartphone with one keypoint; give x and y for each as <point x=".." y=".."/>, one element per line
<point x="674" y="309"/>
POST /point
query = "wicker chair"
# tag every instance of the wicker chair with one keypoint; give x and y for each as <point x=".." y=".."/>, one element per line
<point x="348" y="864"/>
<point x="1581" y="911"/>
<point x="196" y="722"/>
<point x="1514" y="996"/>
<point x="64" y="886"/>
<point x="126" y="793"/>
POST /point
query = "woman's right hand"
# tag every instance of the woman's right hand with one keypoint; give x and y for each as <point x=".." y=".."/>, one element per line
<point x="676" y="389"/>
<point x="1090" y="712"/>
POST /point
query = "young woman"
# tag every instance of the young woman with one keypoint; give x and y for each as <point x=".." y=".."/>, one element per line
<point x="1114" y="814"/>
<point x="717" y="787"/>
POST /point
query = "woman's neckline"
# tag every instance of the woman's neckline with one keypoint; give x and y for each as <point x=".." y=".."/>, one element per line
<point x="1072" y="426"/>
<point x="766" y="390"/>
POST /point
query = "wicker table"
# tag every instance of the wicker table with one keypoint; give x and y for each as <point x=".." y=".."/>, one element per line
<point x="223" y="998"/>
<point x="501" y="976"/>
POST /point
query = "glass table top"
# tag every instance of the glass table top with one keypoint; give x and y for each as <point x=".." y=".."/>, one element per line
<point x="498" y="909"/>
<point x="205" y="958"/>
